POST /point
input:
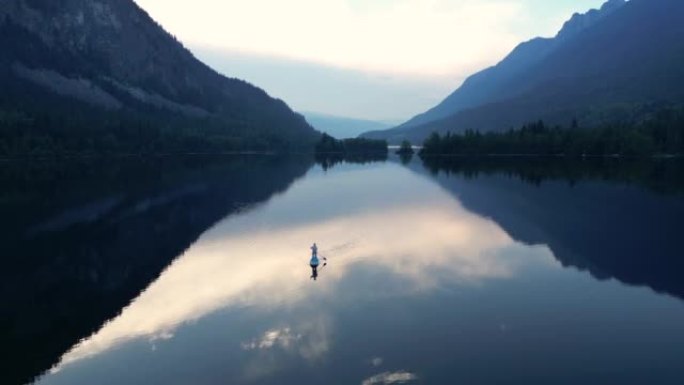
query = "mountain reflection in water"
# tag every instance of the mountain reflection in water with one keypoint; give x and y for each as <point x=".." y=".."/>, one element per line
<point x="81" y="239"/>
<point x="258" y="260"/>
<point x="619" y="230"/>
<point x="437" y="273"/>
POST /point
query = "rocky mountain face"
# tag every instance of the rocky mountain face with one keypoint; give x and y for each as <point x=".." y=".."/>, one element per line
<point x="111" y="55"/>
<point x="580" y="22"/>
<point x="619" y="57"/>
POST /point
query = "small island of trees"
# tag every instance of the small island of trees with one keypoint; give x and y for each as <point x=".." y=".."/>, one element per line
<point x="329" y="145"/>
<point x="330" y="151"/>
<point x="406" y="149"/>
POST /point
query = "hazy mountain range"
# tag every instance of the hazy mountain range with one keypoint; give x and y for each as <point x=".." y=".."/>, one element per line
<point x="340" y="127"/>
<point x="102" y="75"/>
<point x="91" y="62"/>
<point x="607" y="64"/>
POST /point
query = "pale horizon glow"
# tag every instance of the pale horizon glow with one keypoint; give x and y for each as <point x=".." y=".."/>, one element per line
<point x="440" y="42"/>
<point x="384" y="37"/>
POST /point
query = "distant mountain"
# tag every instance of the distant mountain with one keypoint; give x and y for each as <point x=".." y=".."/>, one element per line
<point x="93" y="63"/>
<point x="603" y="65"/>
<point x="342" y="128"/>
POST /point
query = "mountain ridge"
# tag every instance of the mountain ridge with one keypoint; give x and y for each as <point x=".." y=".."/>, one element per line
<point x="111" y="54"/>
<point x="621" y="57"/>
<point x="523" y="55"/>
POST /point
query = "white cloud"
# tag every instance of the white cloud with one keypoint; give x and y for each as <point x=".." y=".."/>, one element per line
<point x="429" y="37"/>
<point x="336" y="91"/>
<point x="283" y="337"/>
<point x="372" y="59"/>
<point x="244" y="262"/>
<point x="307" y="339"/>
<point x="388" y="378"/>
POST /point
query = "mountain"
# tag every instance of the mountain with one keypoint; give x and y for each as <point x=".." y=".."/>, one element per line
<point x="78" y="66"/>
<point x="340" y="127"/>
<point x="602" y="65"/>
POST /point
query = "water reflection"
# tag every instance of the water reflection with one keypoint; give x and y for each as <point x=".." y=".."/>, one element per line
<point x="662" y="175"/>
<point x="316" y="269"/>
<point x="445" y="278"/>
<point x="391" y="378"/>
<point x="330" y="160"/>
<point x="315" y="262"/>
<point x="255" y="260"/>
<point x="613" y="230"/>
<point x="81" y="240"/>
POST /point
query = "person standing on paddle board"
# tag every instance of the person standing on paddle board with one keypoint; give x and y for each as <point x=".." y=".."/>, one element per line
<point x="314" y="259"/>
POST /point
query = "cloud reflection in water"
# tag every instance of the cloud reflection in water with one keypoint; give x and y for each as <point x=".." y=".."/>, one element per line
<point x="259" y="259"/>
<point x="387" y="378"/>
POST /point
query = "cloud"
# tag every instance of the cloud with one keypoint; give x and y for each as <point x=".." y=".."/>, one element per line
<point x="387" y="378"/>
<point x="244" y="262"/>
<point x="380" y="59"/>
<point x="283" y="338"/>
<point x="310" y="86"/>
<point x="376" y="361"/>
<point x="310" y="339"/>
<point x="409" y="36"/>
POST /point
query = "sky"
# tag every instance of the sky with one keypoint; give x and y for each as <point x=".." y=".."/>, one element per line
<point x="383" y="60"/>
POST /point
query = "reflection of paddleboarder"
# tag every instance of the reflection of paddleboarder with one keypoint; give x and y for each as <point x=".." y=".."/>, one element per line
<point x="314" y="261"/>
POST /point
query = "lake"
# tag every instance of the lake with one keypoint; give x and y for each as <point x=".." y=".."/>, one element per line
<point x="195" y="270"/>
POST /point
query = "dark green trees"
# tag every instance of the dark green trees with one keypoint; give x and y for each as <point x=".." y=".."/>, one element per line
<point x="328" y="144"/>
<point x="406" y="148"/>
<point x="663" y="133"/>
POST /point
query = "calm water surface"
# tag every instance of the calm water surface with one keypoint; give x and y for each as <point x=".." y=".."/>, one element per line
<point x="439" y="277"/>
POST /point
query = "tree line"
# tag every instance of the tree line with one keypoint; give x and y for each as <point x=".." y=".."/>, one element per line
<point x="657" y="174"/>
<point x="55" y="135"/>
<point x="37" y="123"/>
<point x="329" y="145"/>
<point x="662" y="133"/>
